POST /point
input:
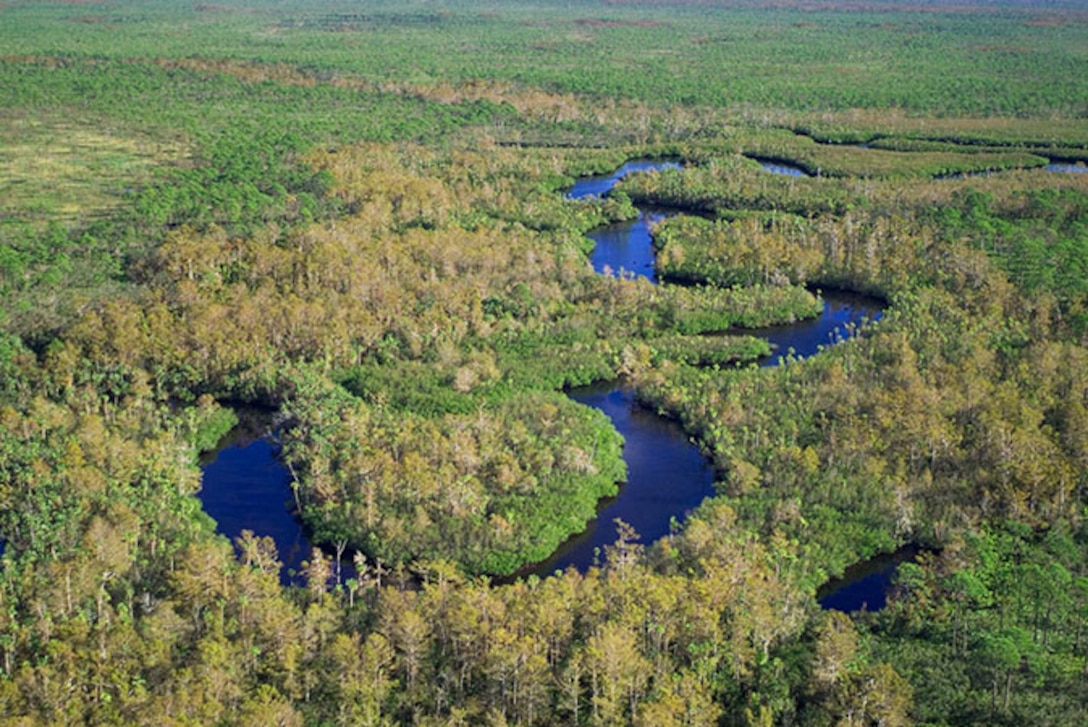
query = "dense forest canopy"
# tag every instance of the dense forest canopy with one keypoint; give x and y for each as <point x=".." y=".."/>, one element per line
<point x="353" y="214"/>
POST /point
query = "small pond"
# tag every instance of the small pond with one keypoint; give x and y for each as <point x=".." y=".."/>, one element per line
<point x="864" y="586"/>
<point x="247" y="487"/>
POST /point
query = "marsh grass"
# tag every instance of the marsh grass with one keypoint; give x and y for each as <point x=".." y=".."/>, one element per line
<point x="58" y="169"/>
<point x="866" y="125"/>
<point x="930" y="159"/>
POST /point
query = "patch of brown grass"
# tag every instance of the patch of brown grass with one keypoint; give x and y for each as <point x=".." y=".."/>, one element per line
<point x="1001" y="48"/>
<point x="597" y="23"/>
<point x="1049" y="21"/>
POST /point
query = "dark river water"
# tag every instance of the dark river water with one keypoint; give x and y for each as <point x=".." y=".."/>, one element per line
<point x="788" y="170"/>
<point x="864" y="586"/>
<point x="667" y="477"/>
<point x="1078" y="168"/>
<point x="600" y="185"/>
<point x="843" y="314"/>
<point x="246" y="486"/>
<point x="626" y="248"/>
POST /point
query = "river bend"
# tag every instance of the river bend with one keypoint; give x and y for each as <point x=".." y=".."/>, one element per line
<point x="246" y="486"/>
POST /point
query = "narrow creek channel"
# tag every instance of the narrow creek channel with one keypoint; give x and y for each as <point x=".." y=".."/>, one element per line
<point x="1067" y="168"/>
<point x="775" y="167"/>
<point x="246" y="487"/>
<point x="623" y="247"/>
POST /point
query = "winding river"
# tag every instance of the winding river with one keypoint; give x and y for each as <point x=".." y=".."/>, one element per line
<point x="245" y="486"/>
<point x="667" y="477"/>
<point x="623" y="248"/>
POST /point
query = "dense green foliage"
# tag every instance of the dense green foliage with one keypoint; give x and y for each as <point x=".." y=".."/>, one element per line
<point x="998" y="614"/>
<point x="491" y="490"/>
<point x="353" y="213"/>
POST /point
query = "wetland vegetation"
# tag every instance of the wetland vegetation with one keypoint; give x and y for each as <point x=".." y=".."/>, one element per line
<point x="356" y="215"/>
